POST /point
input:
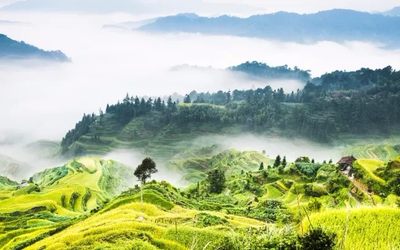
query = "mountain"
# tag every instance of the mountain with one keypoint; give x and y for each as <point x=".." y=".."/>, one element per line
<point x="393" y="12"/>
<point x="337" y="25"/>
<point x="11" y="49"/>
<point x="330" y="107"/>
<point x="262" y="70"/>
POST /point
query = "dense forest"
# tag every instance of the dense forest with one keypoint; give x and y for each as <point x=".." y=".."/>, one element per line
<point x="359" y="102"/>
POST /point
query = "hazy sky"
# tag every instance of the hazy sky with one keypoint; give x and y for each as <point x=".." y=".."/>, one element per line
<point x="238" y="7"/>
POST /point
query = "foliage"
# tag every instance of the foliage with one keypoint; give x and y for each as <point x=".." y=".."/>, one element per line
<point x="317" y="239"/>
<point x="145" y="170"/>
<point x="206" y="220"/>
<point x="216" y="180"/>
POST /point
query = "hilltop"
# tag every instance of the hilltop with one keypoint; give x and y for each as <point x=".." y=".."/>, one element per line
<point x="17" y="50"/>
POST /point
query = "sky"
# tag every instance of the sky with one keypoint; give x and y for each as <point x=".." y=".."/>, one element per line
<point x="235" y="7"/>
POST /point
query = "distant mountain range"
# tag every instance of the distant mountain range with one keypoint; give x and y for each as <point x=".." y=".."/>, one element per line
<point x="393" y="12"/>
<point x="11" y="49"/>
<point x="333" y="25"/>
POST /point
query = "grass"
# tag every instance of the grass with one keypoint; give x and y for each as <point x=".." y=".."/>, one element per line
<point x="56" y="197"/>
<point x="385" y="152"/>
<point x="135" y="224"/>
<point x="369" y="166"/>
<point x="367" y="228"/>
<point x="75" y="206"/>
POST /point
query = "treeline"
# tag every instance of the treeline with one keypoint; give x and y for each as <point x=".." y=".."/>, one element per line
<point x="263" y="70"/>
<point x="132" y="107"/>
<point x="81" y="128"/>
<point x="340" y="102"/>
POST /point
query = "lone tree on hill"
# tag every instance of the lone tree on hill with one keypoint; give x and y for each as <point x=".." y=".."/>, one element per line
<point x="144" y="172"/>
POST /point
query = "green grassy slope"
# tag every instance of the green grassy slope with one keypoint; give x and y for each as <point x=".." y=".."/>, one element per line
<point x="158" y="223"/>
<point x="386" y="151"/>
<point x="195" y="163"/>
<point x="57" y="197"/>
<point x="360" y="228"/>
<point x="75" y="206"/>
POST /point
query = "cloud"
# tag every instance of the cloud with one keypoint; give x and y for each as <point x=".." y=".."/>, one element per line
<point x="45" y="100"/>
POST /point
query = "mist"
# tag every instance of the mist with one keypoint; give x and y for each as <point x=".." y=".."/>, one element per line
<point x="42" y="100"/>
<point x="47" y="99"/>
<point x="132" y="158"/>
<point x="292" y="148"/>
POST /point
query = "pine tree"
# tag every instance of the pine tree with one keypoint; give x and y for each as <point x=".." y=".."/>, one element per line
<point x="216" y="179"/>
<point x="284" y="163"/>
<point x="277" y="162"/>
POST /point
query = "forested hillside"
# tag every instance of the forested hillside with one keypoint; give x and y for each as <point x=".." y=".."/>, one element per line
<point x="339" y="103"/>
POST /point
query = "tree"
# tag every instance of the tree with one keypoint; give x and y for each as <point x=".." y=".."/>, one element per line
<point x="284" y="163"/>
<point x="277" y="162"/>
<point x="261" y="166"/>
<point x="144" y="172"/>
<point x="187" y="99"/>
<point x="216" y="179"/>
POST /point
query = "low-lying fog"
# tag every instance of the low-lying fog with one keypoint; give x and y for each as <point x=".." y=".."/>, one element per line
<point x="45" y="100"/>
<point x="19" y="162"/>
<point x="42" y="101"/>
<point x="291" y="148"/>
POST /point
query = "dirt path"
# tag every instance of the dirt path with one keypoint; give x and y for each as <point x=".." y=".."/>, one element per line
<point x="360" y="186"/>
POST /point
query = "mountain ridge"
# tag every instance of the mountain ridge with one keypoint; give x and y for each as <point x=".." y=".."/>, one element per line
<point x="19" y="50"/>
<point x="337" y="25"/>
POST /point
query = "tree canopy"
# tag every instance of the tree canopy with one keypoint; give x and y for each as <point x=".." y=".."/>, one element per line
<point x="145" y="170"/>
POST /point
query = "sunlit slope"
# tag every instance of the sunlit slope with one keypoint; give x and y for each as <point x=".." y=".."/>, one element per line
<point x="158" y="223"/>
<point x="196" y="166"/>
<point x="384" y="152"/>
<point x="56" y="197"/>
<point x="376" y="228"/>
<point x="368" y="167"/>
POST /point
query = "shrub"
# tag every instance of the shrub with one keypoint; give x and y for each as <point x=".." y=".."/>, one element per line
<point x="206" y="220"/>
<point x="314" y="205"/>
<point x="317" y="239"/>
